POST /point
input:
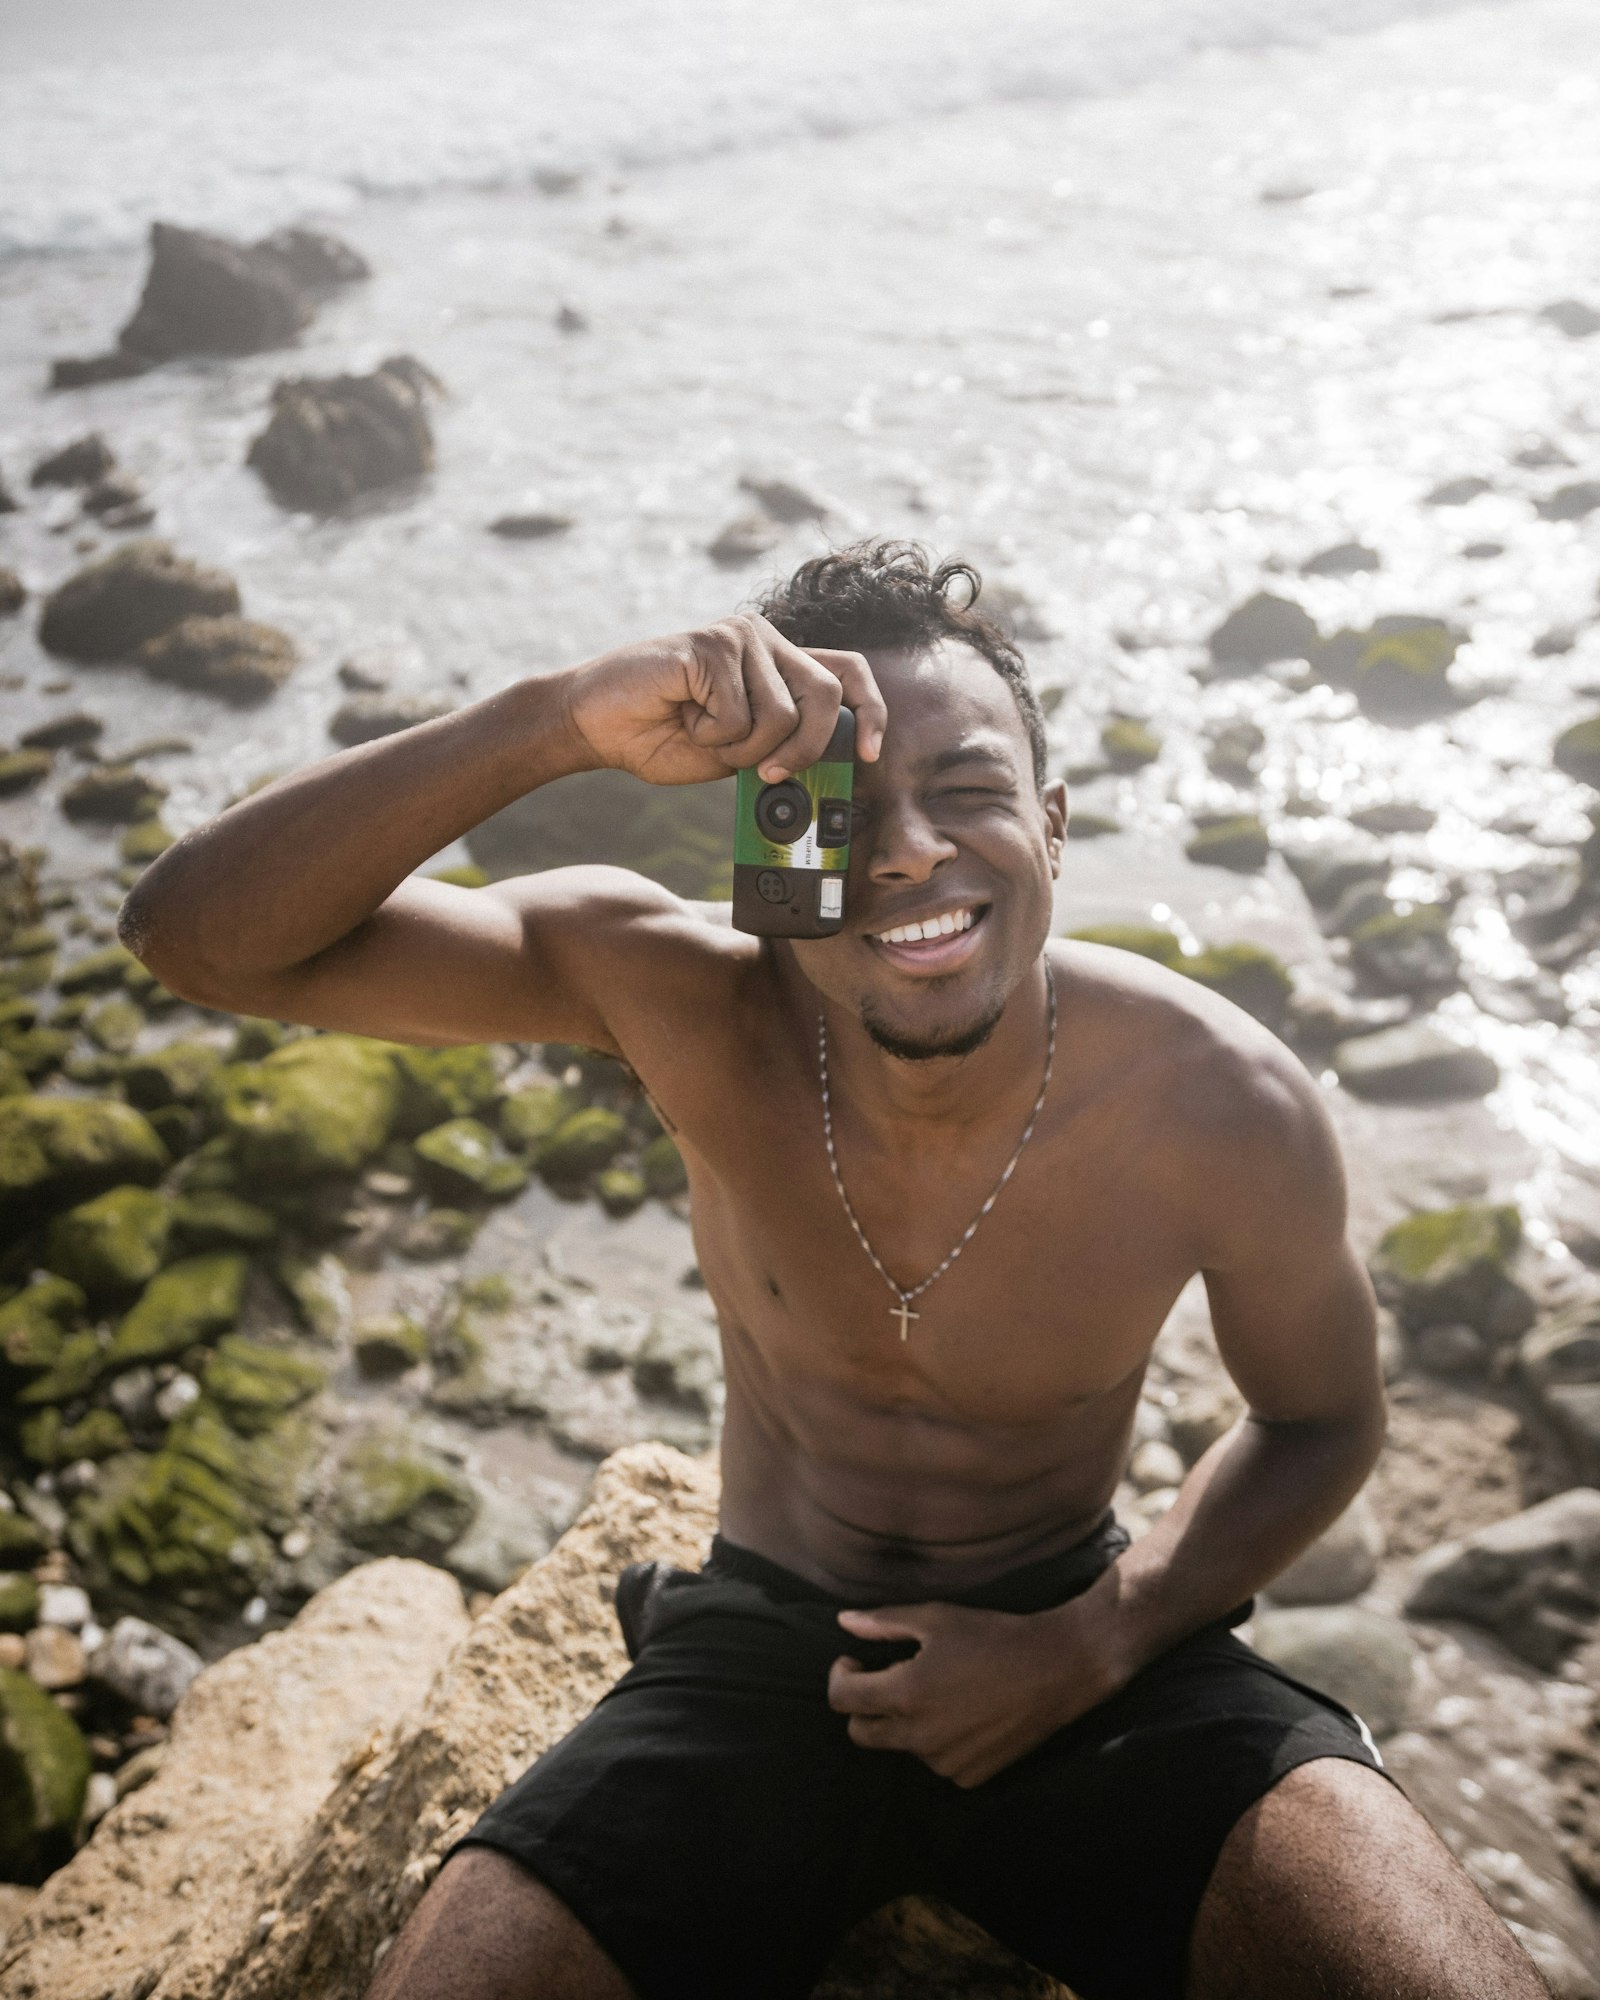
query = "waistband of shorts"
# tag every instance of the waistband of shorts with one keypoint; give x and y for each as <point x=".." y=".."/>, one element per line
<point x="1032" y="1586"/>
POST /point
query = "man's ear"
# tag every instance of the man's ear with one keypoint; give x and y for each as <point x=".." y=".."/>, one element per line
<point x="1054" y="800"/>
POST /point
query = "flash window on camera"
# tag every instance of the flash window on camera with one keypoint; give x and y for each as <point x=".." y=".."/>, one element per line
<point x="833" y="822"/>
<point x="830" y="896"/>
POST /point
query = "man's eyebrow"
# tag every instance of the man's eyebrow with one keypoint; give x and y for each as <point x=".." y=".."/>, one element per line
<point x="969" y="753"/>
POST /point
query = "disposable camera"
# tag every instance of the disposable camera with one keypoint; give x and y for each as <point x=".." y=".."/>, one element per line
<point x="791" y="844"/>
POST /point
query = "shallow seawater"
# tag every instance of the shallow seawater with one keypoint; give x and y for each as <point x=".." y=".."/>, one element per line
<point x="1139" y="355"/>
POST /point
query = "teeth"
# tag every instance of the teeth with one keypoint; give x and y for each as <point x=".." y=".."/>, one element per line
<point x="947" y="924"/>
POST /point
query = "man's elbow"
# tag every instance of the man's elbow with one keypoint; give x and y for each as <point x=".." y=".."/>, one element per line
<point x="149" y="926"/>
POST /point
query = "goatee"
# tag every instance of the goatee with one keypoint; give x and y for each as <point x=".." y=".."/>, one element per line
<point x="961" y="1043"/>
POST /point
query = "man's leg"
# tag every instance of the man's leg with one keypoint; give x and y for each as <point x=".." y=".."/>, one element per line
<point x="1334" y="1887"/>
<point x="488" y="1930"/>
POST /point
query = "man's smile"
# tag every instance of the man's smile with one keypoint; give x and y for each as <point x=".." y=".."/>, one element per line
<point x="941" y="941"/>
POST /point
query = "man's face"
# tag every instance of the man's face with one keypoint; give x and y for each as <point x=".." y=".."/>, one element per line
<point x="951" y="835"/>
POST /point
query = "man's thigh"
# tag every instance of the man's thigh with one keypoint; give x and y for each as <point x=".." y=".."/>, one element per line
<point x="1333" y="1884"/>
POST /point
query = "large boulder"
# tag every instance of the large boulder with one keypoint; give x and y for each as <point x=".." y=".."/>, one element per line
<point x="1360" y="1657"/>
<point x="1263" y="629"/>
<point x="172" y="1885"/>
<point x="1406" y="951"/>
<point x="436" y="1084"/>
<point x="187" y="1304"/>
<point x="367" y="716"/>
<point x="333" y="438"/>
<point x="1534" y="1579"/>
<point x="1452" y="1266"/>
<point x="1339" y="1565"/>
<point x="1419" y="1062"/>
<point x="398" y="1497"/>
<point x="205" y="294"/>
<point x="58" y="1150"/>
<point x="322" y="1105"/>
<point x="109" y="609"/>
<point x="113" y="1244"/>
<point x="44" y="1772"/>
<point x="239" y="660"/>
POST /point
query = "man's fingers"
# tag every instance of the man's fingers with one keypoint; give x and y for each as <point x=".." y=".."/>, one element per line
<point x="860" y="695"/>
<point x="817" y="694"/>
<point x="854" y="1691"/>
<point x="878" y="1732"/>
<point x="890" y="1621"/>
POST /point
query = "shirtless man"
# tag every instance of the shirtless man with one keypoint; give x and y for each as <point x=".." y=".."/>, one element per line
<point x="921" y="1658"/>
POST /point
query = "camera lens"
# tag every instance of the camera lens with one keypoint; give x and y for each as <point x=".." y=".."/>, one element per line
<point x="783" y="812"/>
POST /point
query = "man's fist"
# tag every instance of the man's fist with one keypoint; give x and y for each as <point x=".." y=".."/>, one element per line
<point x="699" y="705"/>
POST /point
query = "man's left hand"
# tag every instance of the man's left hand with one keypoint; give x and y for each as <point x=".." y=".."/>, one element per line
<point x="984" y="1688"/>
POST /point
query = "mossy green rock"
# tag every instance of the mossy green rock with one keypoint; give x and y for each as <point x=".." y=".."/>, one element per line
<point x="1128" y="745"/>
<point x="27" y="975"/>
<point x="389" y="1346"/>
<point x="1247" y="974"/>
<point x="191" y="1301"/>
<point x="398" y="1498"/>
<point x="528" y="1117"/>
<point x="581" y="1145"/>
<point x="13" y="1077"/>
<point x="320" y="1291"/>
<point x="1144" y="939"/>
<point x="113" y="1244"/>
<point x="440" y="1084"/>
<point x="143" y="841"/>
<point x="462" y="1159"/>
<point x="253" y="1385"/>
<point x="35" y="1323"/>
<point x="1452" y="1265"/>
<point x="1239" y="843"/>
<point x="215" y="1220"/>
<point x="1577" y="751"/>
<point x="1404" y="676"/>
<point x="180" y="1073"/>
<point x="321" y="1105"/>
<point x="57" y="1150"/>
<point x="49" y="1440"/>
<point x="22" y="1541"/>
<point x="36" y="1051"/>
<point x="19" y="1601"/>
<point x="1407" y="951"/>
<point x="662" y="1166"/>
<point x="78" y="1365"/>
<point x="115" y="1023"/>
<point x="621" y="1190"/>
<point x="98" y="971"/>
<point x="44" y="1773"/>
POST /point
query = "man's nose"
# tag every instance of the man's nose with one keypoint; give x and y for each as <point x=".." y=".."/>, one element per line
<point x="904" y="845"/>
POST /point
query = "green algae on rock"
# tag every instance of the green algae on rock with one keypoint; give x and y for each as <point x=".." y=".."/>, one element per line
<point x="44" y="1774"/>
<point x="1128" y="744"/>
<point x="19" y="1601"/>
<point x="581" y="1145"/>
<point x="662" y="1166"/>
<point x="440" y="1084"/>
<point x="1406" y="951"/>
<point x="388" y="1346"/>
<point x="213" y="1219"/>
<point x="113" y="1244"/>
<point x="98" y="971"/>
<point x="20" y="770"/>
<point x="462" y="1159"/>
<point x="253" y="1385"/>
<point x="179" y="1073"/>
<point x="1238" y="842"/>
<point x="621" y="1190"/>
<point x="143" y="841"/>
<point x="396" y="1497"/>
<point x="321" y="1105"/>
<point x="1577" y="751"/>
<point x="1247" y="974"/>
<point x="48" y="1439"/>
<point x="55" y="1150"/>
<point x="1264" y="629"/>
<point x="1447" y="1265"/>
<point x="22" y="1541"/>
<point x="239" y="660"/>
<point x="115" y="1023"/>
<point x="320" y="1291"/>
<point x="1144" y="939"/>
<point x="78" y="1365"/>
<point x="190" y="1302"/>
<point x="529" y="1116"/>
<point x="35" y="1323"/>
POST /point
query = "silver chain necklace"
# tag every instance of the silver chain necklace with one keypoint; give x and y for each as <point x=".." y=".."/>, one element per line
<point x="901" y="1309"/>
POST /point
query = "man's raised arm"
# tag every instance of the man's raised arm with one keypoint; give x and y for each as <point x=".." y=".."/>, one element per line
<point x="296" y="902"/>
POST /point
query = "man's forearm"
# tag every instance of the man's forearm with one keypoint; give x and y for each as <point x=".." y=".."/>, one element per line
<point x="286" y="873"/>
<point x="1248" y="1507"/>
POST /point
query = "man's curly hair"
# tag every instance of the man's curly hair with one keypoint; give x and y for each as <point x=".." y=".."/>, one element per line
<point x="891" y="595"/>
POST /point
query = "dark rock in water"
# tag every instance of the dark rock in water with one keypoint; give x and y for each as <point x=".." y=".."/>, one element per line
<point x="1017" y="614"/>
<point x="1391" y="816"/>
<point x="83" y="371"/>
<point x="1533" y="1580"/>
<point x="113" y="795"/>
<point x="532" y="527"/>
<point x="1238" y="841"/>
<point x="680" y="835"/>
<point x="1552" y="644"/>
<point x="1576" y="319"/>
<point x="1457" y="492"/>
<point x="1571" y="503"/>
<point x="1483" y="551"/>
<point x="365" y="675"/>
<point x="1129" y="744"/>
<point x="1417" y="1063"/>
<point x="64" y="732"/>
<point x="1452" y="1266"/>
<point x="315" y="259"/>
<point x="80" y="463"/>
<point x="784" y="499"/>
<point x="1262" y="630"/>
<point x="333" y="438"/>
<point x="1235" y="749"/>
<point x="743" y="539"/>
<point x="1406" y="951"/>
<point x="1091" y="826"/>
<point x="237" y="659"/>
<point x="117" y="495"/>
<point x="1343" y="559"/>
<point x="13" y="592"/>
<point x="1451" y="1348"/>
<point x="1402" y="671"/>
<point x="570" y="320"/>
<point x="9" y="504"/>
<point x="20" y="770"/>
<point x="1327" y="873"/>
<point x="108" y="610"/>
<point x="44" y="1777"/>
<point x="1577" y="751"/>
<point x="365" y="717"/>
<point x="1541" y="455"/>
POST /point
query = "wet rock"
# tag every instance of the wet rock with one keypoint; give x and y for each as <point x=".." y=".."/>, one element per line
<point x="313" y="258"/>
<point x="783" y="499"/>
<point x="253" y="1384"/>
<point x="581" y="1145"/>
<point x="44" y="1774"/>
<point x="1555" y="643"/>
<point x="48" y="1439"/>
<point x="1533" y="1580"/>
<point x="190" y="1302"/>
<point x="388" y="1346"/>
<point x="621" y="1190"/>
<point x="58" y="1150"/>
<point x="1451" y="1348"/>
<point x="441" y="1233"/>
<point x="113" y="795"/>
<point x="1247" y="974"/>
<point x="1238" y="842"/>
<point x="21" y="770"/>
<point x="1574" y="317"/>
<point x="1362" y="1658"/>
<point x="322" y="1105"/>
<point x="1263" y="630"/>
<point x="35" y="1321"/>
<point x="1235" y="749"/>
<point x="1199" y="1418"/>
<point x="1454" y="1264"/>
<point x="1421" y="1062"/>
<point x="205" y="294"/>
<point x="143" y="841"/>
<point x="365" y="717"/>
<point x="397" y="1497"/>
<point x="180" y="1072"/>
<point x="1404" y="676"/>
<point x="1343" y="559"/>
<point x="320" y="1290"/>
<point x="83" y="371"/>
<point x="80" y="463"/>
<point x="463" y="1160"/>
<point x="118" y="501"/>
<point x="1560" y="1360"/>
<point x="510" y="1533"/>
<point x="529" y="1116"/>
<point x="1128" y="745"/>
<point x="19" y="1602"/>
<point x="661" y="1165"/>
<point x="745" y="538"/>
<point x="1328" y="872"/>
<point x="13" y="592"/>
<point x="55" y="1658"/>
<point x="1577" y="751"/>
<point x="109" y="609"/>
<point x="537" y="525"/>
<point x="333" y="438"/>
<point x="98" y="971"/>
<point x="1339" y="1565"/>
<point x="22" y="1541"/>
<point x="680" y="1362"/>
<point x="680" y="836"/>
<point x="113" y="1245"/>
<point x="114" y="1023"/>
<point x="1574" y="502"/>
<point x="237" y="659"/>
<point x="149" y="1668"/>
<point x="1457" y="492"/>
<point x="215" y="1220"/>
<point x="1391" y="816"/>
<point x="439" y="1084"/>
<point x="1406" y="951"/>
<point x="9" y="504"/>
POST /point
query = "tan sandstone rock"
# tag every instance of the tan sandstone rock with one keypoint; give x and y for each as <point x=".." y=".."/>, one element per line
<point x="157" y="1902"/>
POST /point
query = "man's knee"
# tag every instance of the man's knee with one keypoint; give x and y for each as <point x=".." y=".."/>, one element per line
<point x="1336" y="1878"/>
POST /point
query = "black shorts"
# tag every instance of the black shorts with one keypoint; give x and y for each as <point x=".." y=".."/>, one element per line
<point x="714" y="1827"/>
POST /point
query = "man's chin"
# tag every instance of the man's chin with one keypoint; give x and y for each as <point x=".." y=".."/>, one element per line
<point x="929" y="1044"/>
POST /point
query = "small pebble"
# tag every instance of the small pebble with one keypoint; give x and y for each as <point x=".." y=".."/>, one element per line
<point x="55" y="1657"/>
<point x="99" y="1798"/>
<point x="13" y="1650"/>
<point x="64" y="1604"/>
<point x="174" y="1397"/>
